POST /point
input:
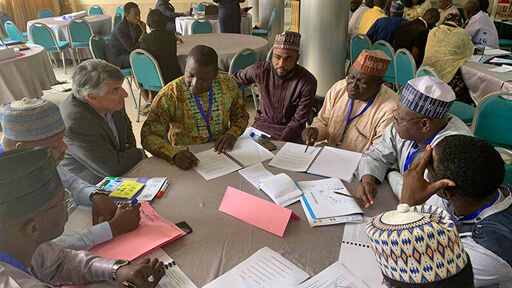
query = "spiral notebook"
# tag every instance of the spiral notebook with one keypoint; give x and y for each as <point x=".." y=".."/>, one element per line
<point x="245" y="153"/>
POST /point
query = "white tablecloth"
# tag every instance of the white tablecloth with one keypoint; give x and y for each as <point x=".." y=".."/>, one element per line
<point x="26" y="76"/>
<point x="481" y="81"/>
<point x="220" y="242"/>
<point x="226" y="45"/>
<point x="184" y="25"/>
<point x="100" y="24"/>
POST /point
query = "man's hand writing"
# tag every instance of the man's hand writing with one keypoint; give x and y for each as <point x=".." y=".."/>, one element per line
<point x="367" y="190"/>
<point x="224" y="143"/>
<point x="185" y="160"/>
<point x="309" y="135"/>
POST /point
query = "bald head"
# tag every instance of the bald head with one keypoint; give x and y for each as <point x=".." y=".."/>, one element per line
<point x="471" y="8"/>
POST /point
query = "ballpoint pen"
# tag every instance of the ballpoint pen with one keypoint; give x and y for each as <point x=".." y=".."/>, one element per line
<point x="307" y="146"/>
<point x="346" y="195"/>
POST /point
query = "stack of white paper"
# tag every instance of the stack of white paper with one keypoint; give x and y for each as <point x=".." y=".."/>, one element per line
<point x="334" y="276"/>
<point x="281" y="189"/>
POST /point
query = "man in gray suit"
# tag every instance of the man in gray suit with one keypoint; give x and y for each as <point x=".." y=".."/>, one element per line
<point x="98" y="131"/>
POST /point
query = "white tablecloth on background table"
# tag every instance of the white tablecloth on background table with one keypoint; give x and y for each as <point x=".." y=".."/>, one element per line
<point x="481" y="81"/>
<point x="220" y="242"/>
<point x="184" y="25"/>
<point x="100" y="24"/>
<point x="226" y="45"/>
<point x="26" y="76"/>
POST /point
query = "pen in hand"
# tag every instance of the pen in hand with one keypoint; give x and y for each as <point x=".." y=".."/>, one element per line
<point x="346" y="195"/>
<point x="307" y="146"/>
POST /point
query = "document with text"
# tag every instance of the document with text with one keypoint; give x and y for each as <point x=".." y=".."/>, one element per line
<point x="255" y="173"/>
<point x="334" y="276"/>
<point x="265" y="268"/>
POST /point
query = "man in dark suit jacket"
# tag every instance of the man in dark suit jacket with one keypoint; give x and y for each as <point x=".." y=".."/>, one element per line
<point x="98" y="131"/>
<point x="125" y="37"/>
<point x="170" y="14"/>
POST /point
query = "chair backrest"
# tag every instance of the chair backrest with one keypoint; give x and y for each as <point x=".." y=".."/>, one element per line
<point x="4" y="17"/>
<point x="270" y="54"/>
<point x="120" y="10"/>
<point x="271" y="21"/>
<point x="117" y="19"/>
<point x="97" y="45"/>
<point x="243" y="59"/>
<point x="146" y="70"/>
<point x="43" y="35"/>
<point x="390" y="52"/>
<point x="45" y="13"/>
<point x="405" y="67"/>
<point x="427" y="71"/>
<point x="96" y="10"/>
<point x="358" y="43"/>
<point x="200" y="6"/>
<point x="492" y="120"/>
<point x="202" y="26"/>
<point x="14" y="32"/>
<point x="79" y="30"/>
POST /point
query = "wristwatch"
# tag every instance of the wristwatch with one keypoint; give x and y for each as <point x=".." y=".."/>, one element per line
<point x="118" y="264"/>
<point x="97" y="192"/>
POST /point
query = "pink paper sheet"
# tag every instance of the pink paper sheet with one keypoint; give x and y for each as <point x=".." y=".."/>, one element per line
<point x="153" y="231"/>
<point x="256" y="211"/>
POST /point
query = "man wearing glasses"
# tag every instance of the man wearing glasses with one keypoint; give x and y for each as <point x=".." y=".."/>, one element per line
<point x="33" y="211"/>
<point x="421" y="118"/>
<point x="358" y="109"/>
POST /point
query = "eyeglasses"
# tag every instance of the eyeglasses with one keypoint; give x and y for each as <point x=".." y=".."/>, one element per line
<point x="68" y="202"/>
<point x="399" y="121"/>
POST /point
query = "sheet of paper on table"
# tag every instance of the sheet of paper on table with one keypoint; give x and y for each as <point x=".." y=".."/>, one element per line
<point x="495" y="52"/>
<point x="334" y="276"/>
<point x="503" y="69"/>
<point x="357" y="255"/>
<point x="292" y="157"/>
<point x="246" y="152"/>
<point x="322" y="202"/>
<point x="281" y="189"/>
<point x="255" y="173"/>
<point x="265" y="268"/>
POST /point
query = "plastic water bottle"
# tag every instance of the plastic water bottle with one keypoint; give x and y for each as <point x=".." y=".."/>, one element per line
<point x="408" y="17"/>
<point x="483" y="39"/>
<point x="196" y="10"/>
<point x="256" y="137"/>
<point x="482" y="42"/>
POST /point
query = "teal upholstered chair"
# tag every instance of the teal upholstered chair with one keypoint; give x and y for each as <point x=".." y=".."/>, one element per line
<point x="202" y="26"/>
<point x="45" y="13"/>
<point x="43" y="35"/>
<point x="358" y="43"/>
<point x="97" y="45"/>
<point x="242" y="60"/>
<point x="120" y="10"/>
<point x="4" y="17"/>
<point x="390" y="52"/>
<point x="79" y="32"/>
<point x="96" y="10"/>
<point x="147" y="73"/>
<point x="265" y="33"/>
<point x="117" y="19"/>
<point x="405" y="67"/>
<point x="14" y="33"/>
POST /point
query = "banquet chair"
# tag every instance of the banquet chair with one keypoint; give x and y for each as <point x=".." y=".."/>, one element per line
<point x="117" y="19"/>
<point x="96" y="10"/>
<point x="265" y="33"/>
<point x="120" y="10"/>
<point x="200" y="6"/>
<point x="202" y="26"/>
<point x="463" y="111"/>
<point x="4" y="17"/>
<point x="358" y="43"/>
<point x="43" y="35"/>
<point x="14" y="33"/>
<point x="243" y="59"/>
<point x="97" y="45"/>
<point x="384" y="46"/>
<point x="492" y="124"/>
<point x="405" y="67"/>
<point x="79" y="33"/>
<point x="270" y="54"/>
<point x="147" y="73"/>
<point x="45" y="13"/>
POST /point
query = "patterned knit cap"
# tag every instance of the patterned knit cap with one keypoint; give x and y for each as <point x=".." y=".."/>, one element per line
<point x="30" y="119"/>
<point x="373" y="62"/>
<point x="427" y="96"/>
<point x="287" y="40"/>
<point x="417" y="244"/>
<point x="28" y="180"/>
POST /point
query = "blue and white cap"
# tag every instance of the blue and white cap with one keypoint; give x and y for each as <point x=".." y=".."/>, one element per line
<point x="427" y="96"/>
<point x="30" y="119"/>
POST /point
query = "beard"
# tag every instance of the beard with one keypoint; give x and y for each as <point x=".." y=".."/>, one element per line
<point x="286" y="75"/>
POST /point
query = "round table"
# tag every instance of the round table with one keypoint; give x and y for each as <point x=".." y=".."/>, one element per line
<point x="26" y="76"/>
<point x="184" y="25"/>
<point x="226" y="45"/>
<point x="100" y="24"/>
<point x="220" y="242"/>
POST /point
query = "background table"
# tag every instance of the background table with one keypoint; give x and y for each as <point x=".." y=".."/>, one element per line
<point x="26" y="76"/>
<point x="226" y="45"/>
<point x="100" y="24"/>
<point x="220" y="242"/>
<point x="504" y="29"/>
<point x="184" y="25"/>
<point x="481" y="81"/>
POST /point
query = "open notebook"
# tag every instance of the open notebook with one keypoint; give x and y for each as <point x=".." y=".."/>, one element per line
<point x="245" y="153"/>
<point x="323" y="161"/>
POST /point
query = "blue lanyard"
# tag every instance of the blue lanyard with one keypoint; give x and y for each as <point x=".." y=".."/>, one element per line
<point x="448" y="7"/>
<point x="201" y="110"/>
<point x="4" y="257"/>
<point x="413" y="151"/>
<point x="473" y="215"/>
<point x="353" y="118"/>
